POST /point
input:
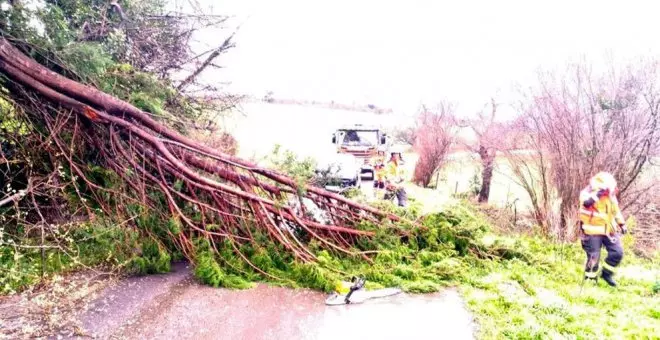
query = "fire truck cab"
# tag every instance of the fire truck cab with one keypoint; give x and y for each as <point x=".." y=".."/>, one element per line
<point x="362" y="142"/>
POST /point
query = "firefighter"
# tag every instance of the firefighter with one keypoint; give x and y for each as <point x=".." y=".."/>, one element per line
<point x="394" y="177"/>
<point x="602" y="224"/>
<point x="378" y="163"/>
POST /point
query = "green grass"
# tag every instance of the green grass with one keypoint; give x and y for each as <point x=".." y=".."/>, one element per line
<point x="516" y="300"/>
<point x="537" y="295"/>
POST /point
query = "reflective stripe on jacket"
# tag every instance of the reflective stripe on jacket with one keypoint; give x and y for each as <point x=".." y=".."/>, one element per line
<point x="601" y="217"/>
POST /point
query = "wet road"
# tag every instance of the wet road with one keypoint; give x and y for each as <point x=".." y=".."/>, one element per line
<point x="173" y="306"/>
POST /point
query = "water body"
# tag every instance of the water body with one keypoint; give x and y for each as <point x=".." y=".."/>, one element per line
<point x="305" y="130"/>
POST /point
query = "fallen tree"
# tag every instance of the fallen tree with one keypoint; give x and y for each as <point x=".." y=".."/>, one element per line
<point x="207" y="193"/>
<point x="91" y="180"/>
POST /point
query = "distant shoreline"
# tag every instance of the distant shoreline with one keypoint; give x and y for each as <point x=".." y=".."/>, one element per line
<point x="320" y="104"/>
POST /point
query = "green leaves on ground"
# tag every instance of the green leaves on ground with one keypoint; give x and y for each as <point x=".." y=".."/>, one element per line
<point x="74" y="247"/>
<point x="518" y="287"/>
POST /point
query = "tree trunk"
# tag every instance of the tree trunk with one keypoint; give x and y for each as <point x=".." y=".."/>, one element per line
<point x="487" y="161"/>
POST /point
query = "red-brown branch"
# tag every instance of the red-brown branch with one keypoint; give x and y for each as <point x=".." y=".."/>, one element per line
<point x="237" y="196"/>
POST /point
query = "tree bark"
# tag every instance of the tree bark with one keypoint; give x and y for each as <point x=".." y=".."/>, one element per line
<point x="487" y="161"/>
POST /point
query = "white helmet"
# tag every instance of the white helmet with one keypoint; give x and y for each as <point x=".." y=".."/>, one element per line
<point x="603" y="180"/>
<point x="396" y="149"/>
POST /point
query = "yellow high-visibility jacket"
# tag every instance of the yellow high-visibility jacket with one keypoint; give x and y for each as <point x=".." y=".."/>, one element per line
<point x="395" y="172"/>
<point x="599" y="215"/>
<point x="378" y="163"/>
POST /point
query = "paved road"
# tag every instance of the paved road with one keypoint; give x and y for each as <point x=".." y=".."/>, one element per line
<point x="173" y="306"/>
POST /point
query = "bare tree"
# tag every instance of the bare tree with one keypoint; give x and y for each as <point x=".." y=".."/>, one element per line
<point x="406" y="134"/>
<point x="432" y="141"/>
<point x="580" y="124"/>
<point x="489" y="140"/>
<point x="530" y="167"/>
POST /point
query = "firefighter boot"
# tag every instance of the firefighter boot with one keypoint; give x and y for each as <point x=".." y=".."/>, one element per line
<point x="591" y="275"/>
<point x="607" y="276"/>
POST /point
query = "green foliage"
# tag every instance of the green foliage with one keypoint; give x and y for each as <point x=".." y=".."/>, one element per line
<point x="287" y="161"/>
<point x="314" y="276"/>
<point x="353" y="193"/>
<point x="9" y="122"/>
<point x="109" y="244"/>
<point x="174" y="225"/>
<point x="209" y="272"/>
<point x="517" y="300"/>
<point x="437" y="254"/>
<point x="146" y="103"/>
<point x="141" y="89"/>
<point x="89" y="41"/>
<point x="16" y="271"/>
<point x="154" y="260"/>
<point x="423" y="286"/>
<point x="87" y="59"/>
<point x="78" y="246"/>
<point x="129" y="58"/>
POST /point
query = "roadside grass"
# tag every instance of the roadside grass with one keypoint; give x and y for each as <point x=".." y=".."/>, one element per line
<point x="516" y="300"/>
<point x="542" y="296"/>
<point x="545" y="298"/>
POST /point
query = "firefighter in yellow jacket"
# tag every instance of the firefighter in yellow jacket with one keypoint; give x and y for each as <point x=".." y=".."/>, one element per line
<point x="602" y="225"/>
<point x="394" y="178"/>
<point x="378" y="163"/>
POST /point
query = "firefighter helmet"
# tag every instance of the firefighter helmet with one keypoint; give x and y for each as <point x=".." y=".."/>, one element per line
<point x="603" y="180"/>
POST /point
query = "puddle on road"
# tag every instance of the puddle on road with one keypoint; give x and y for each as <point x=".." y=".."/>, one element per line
<point x="437" y="316"/>
<point x="267" y="312"/>
<point x="174" y="306"/>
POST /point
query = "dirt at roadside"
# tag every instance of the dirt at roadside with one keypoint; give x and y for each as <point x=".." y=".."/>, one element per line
<point x="51" y="309"/>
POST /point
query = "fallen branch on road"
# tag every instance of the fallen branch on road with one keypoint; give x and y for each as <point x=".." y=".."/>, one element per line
<point x="210" y="194"/>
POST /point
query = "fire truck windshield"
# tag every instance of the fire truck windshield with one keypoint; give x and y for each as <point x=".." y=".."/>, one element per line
<point x="360" y="137"/>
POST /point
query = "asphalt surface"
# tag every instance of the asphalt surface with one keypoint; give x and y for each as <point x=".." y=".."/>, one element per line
<point x="174" y="306"/>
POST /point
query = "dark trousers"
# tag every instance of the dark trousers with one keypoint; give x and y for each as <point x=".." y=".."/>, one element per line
<point x="592" y="245"/>
<point x="401" y="196"/>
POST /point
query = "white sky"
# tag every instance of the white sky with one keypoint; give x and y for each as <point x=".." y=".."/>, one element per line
<point x="400" y="53"/>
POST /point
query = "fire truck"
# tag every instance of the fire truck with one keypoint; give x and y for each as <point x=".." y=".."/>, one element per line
<point x="363" y="142"/>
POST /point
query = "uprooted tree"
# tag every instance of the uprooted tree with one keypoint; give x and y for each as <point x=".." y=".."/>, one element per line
<point x="73" y="152"/>
<point x="193" y="179"/>
<point x="96" y="142"/>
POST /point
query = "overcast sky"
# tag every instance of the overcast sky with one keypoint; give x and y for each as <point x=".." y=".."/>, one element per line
<point x="401" y="53"/>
